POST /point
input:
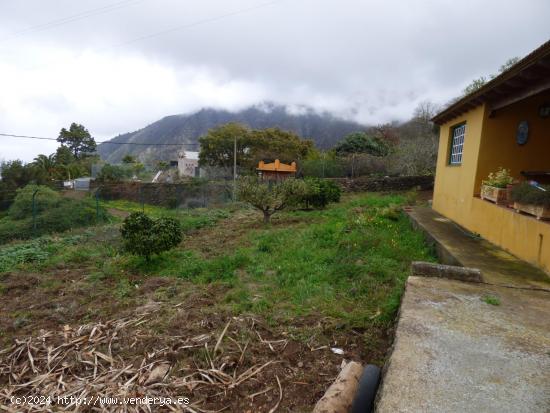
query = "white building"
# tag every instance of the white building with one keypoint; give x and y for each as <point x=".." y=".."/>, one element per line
<point x="188" y="163"/>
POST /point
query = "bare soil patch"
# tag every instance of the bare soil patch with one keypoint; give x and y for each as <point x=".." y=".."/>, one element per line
<point x="181" y="346"/>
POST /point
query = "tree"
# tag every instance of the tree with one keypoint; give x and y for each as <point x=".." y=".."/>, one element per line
<point x="16" y="174"/>
<point x="482" y="80"/>
<point x="162" y="165"/>
<point x="145" y="236"/>
<point x="45" y="198"/>
<point x="474" y="85"/>
<point x="129" y="159"/>
<point x="270" y="197"/>
<point x="46" y="164"/>
<point x="274" y="143"/>
<point x="419" y="139"/>
<point x="508" y="64"/>
<point x="217" y="146"/>
<point x="78" y="140"/>
<point x="361" y="143"/>
<point x="112" y="173"/>
<point x="63" y="156"/>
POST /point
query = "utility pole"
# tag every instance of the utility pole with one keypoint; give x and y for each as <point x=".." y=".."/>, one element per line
<point x="235" y="169"/>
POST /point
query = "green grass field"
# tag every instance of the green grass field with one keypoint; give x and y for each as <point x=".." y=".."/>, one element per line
<point x="346" y="265"/>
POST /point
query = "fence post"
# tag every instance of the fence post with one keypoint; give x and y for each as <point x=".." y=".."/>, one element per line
<point x="34" y="212"/>
<point x="141" y="199"/>
<point x="97" y="203"/>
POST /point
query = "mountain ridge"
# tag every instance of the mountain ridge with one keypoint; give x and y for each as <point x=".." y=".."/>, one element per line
<point x="323" y="128"/>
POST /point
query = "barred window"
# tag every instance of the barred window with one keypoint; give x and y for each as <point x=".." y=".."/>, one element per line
<point x="457" y="144"/>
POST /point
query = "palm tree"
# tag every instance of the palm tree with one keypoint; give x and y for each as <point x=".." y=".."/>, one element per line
<point x="46" y="164"/>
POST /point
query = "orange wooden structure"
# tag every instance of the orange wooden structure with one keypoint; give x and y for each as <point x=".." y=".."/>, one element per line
<point x="276" y="171"/>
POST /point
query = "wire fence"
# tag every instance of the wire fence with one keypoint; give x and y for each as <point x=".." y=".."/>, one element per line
<point x="38" y="210"/>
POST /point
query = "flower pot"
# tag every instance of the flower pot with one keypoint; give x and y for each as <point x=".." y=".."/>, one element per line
<point x="540" y="212"/>
<point x="497" y="195"/>
<point x="510" y="202"/>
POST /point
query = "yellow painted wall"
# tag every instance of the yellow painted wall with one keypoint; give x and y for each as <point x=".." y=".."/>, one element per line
<point x="490" y="143"/>
<point x="519" y="234"/>
<point x="454" y="185"/>
<point x="499" y="148"/>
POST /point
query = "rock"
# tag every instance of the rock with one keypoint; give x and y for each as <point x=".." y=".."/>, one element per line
<point x="157" y="374"/>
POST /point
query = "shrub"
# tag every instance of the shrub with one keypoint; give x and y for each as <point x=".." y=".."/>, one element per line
<point x="527" y="193"/>
<point x="114" y="173"/>
<point x="321" y="192"/>
<point x="144" y="236"/>
<point x="66" y="214"/>
<point x="45" y="200"/>
<point x="499" y="179"/>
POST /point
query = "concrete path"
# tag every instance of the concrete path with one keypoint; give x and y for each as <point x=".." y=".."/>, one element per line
<point x="456" y="246"/>
<point x="470" y="346"/>
<point x="454" y="352"/>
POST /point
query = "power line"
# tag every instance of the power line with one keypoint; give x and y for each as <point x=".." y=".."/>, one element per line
<point x="9" y="135"/>
<point x="69" y="19"/>
<point x="196" y="23"/>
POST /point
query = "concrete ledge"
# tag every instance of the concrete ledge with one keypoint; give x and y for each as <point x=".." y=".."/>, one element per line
<point x="443" y="254"/>
<point x="429" y="269"/>
<point x="458" y="247"/>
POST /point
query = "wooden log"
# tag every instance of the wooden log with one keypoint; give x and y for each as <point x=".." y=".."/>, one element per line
<point x="429" y="269"/>
<point x="339" y="396"/>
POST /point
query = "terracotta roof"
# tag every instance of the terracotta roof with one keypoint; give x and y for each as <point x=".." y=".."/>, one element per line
<point x="529" y="76"/>
<point x="277" y="166"/>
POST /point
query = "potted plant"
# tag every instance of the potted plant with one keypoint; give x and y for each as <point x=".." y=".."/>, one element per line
<point x="495" y="187"/>
<point x="532" y="198"/>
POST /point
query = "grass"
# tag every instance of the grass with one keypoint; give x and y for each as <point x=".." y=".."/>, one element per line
<point x="189" y="218"/>
<point x="346" y="265"/>
<point x="349" y="264"/>
<point x="491" y="299"/>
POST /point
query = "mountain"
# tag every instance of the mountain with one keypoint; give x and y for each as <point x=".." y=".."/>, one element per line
<point x="324" y="128"/>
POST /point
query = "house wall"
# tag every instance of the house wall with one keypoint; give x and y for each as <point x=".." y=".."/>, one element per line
<point x="186" y="167"/>
<point x="490" y="142"/>
<point x="454" y="184"/>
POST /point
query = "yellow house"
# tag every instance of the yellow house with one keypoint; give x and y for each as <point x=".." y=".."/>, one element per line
<point x="505" y="123"/>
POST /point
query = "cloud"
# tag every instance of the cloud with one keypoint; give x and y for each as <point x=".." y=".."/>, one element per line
<point x="369" y="60"/>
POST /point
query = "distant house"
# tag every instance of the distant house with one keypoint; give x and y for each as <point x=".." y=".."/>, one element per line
<point x="82" y="184"/>
<point x="188" y="164"/>
<point x="505" y="123"/>
<point x="276" y="171"/>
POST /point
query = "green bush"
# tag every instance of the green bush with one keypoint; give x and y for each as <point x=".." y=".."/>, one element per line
<point x="114" y="173"/>
<point x="526" y="193"/>
<point x="144" y="236"/>
<point x="321" y="192"/>
<point x="44" y="200"/>
<point x="64" y="215"/>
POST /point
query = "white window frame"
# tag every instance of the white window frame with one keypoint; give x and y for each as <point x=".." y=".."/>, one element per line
<point x="458" y="134"/>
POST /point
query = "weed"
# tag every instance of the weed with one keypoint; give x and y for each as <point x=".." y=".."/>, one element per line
<point x="491" y="299"/>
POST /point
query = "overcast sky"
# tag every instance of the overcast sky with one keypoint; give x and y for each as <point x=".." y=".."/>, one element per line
<point x="116" y="66"/>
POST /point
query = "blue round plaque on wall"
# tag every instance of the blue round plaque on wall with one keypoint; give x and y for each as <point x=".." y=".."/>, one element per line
<point x="523" y="133"/>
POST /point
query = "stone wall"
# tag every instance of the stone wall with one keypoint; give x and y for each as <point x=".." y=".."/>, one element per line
<point x="182" y="195"/>
<point x="387" y="183"/>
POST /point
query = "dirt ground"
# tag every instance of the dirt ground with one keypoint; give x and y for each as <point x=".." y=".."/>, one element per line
<point x="304" y="369"/>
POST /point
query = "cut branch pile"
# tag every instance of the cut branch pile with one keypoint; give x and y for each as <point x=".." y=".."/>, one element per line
<point x="112" y="360"/>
